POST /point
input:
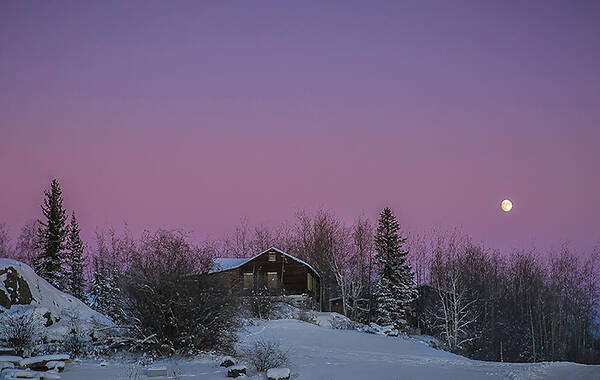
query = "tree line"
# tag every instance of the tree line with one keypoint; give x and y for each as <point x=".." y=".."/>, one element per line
<point x="522" y="307"/>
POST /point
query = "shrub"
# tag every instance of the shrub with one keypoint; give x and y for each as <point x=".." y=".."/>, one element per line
<point x="20" y="331"/>
<point x="265" y="354"/>
<point x="75" y="342"/>
<point x="261" y="303"/>
<point x="176" y="305"/>
<point x="307" y="316"/>
<point x="343" y="323"/>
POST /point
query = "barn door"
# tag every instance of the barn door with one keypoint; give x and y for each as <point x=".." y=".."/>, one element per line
<point x="272" y="280"/>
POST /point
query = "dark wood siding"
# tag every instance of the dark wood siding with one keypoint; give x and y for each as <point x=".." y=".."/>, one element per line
<point x="292" y="276"/>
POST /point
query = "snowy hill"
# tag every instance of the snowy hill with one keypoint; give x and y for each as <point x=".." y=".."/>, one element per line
<point x="321" y="353"/>
<point x="21" y="290"/>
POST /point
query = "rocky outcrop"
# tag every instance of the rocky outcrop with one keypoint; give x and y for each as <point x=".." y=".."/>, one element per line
<point x="14" y="289"/>
<point x="23" y="292"/>
<point x="227" y="361"/>
<point x="236" y="371"/>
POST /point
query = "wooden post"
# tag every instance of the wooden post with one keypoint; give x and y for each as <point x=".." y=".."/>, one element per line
<point x="282" y="270"/>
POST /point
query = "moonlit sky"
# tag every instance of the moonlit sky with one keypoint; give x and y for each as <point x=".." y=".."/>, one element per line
<point x="195" y="114"/>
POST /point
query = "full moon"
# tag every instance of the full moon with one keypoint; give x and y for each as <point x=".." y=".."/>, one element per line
<point x="506" y="205"/>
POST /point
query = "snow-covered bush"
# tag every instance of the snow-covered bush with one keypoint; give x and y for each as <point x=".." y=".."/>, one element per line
<point x="261" y="303"/>
<point x="174" y="304"/>
<point x="264" y="354"/>
<point x="307" y="316"/>
<point x="339" y="322"/>
<point x="20" y="330"/>
<point x="75" y="342"/>
<point x="374" y="328"/>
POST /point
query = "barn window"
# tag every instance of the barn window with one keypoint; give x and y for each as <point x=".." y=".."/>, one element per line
<point x="248" y="280"/>
<point x="309" y="284"/>
<point x="272" y="280"/>
<point x="272" y="256"/>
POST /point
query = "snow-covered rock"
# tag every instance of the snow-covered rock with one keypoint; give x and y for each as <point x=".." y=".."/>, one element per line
<point x="236" y="371"/>
<point x="43" y="359"/>
<point x="11" y="374"/>
<point x="227" y="361"/>
<point x="23" y="291"/>
<point x="278" y="374"/>
<point x="56" y="365"/>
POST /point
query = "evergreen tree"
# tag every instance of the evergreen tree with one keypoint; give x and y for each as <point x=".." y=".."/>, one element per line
<point x="396" y="288"/>
<point x="105" y="293"/>
<point x="52" y="234"/>
<point x="75" y="261"/>
<point x="99" y="287"/>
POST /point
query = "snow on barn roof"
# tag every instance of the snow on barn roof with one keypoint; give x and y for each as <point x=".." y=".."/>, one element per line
<point x="226" y="263"/>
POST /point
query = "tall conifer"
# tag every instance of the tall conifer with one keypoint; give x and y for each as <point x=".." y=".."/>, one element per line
<point x="75" y="261"/>
<point x="52" y="234"/>
<point x="395" y="290"/>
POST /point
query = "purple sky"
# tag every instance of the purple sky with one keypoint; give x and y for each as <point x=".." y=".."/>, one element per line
<point x="194" y="114"/>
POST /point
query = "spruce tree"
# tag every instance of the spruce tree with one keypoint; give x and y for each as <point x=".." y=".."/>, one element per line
<point x="395" y="289"/>
<point x="75" y="261"/>
<point x="100" y="287"/>
<point x="105" y="293"/>
<point x="52" y="234"/>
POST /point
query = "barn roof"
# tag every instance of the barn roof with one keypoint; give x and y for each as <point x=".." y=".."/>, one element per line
<point x="226" y="263"/>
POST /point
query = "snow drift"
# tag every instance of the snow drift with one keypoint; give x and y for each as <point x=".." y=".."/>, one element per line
<point x="21" y="290"/>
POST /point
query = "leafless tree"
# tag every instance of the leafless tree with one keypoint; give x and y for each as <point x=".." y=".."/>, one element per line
<point x="342" y="263"/>
<point x="262" y="239"/>
<point x="265" y="354"/>
<point x="173" y="300"/>
<point x="362" y="238"/>
<point x="5" y="250"/>
<point x="239" y="243"/>
<point x="526" y="306"/>
<point x="455" y="317"/>
<point x="25" y="249"/>
<point x="421" y="247"/>
<point x="20" y="330"/>
<point x="322" y="239"/>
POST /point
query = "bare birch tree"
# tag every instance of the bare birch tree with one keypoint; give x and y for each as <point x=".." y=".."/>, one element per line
<point x="455" y="317"/>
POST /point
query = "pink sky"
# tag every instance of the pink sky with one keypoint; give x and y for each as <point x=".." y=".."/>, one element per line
<point x="195" y="114"/>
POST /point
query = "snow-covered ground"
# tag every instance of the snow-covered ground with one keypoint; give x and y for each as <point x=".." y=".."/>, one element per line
<point x="319" y="353"/>
<point x="315" y="352"/>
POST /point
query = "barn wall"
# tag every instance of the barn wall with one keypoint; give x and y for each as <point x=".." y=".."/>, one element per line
<point x="291" y="276"/>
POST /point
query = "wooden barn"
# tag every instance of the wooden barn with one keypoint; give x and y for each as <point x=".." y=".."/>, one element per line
<point x="273" y="271"/>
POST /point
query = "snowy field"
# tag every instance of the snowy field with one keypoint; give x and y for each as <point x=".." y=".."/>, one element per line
<point x="319" y="353"/>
